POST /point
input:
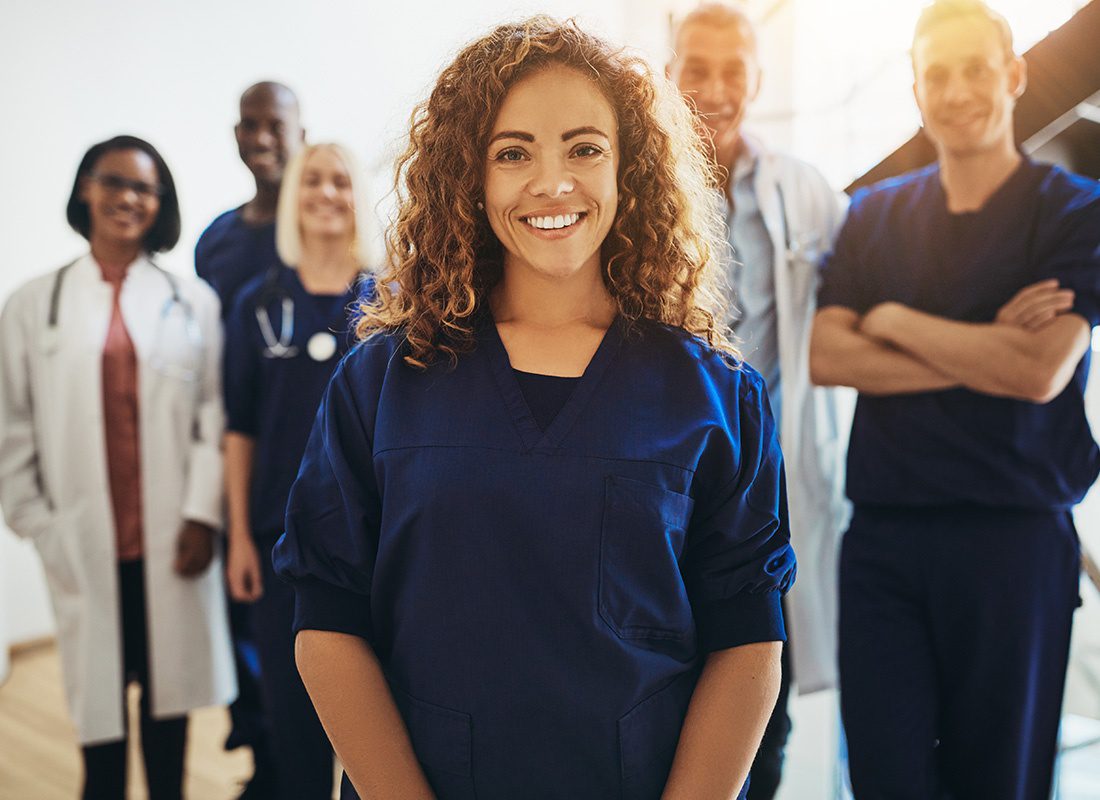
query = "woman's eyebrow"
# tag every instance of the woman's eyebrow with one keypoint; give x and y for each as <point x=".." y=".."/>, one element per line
<point x="586" y="129"/>
<point x="523" y="135"/>
<point x="565" y="137"/>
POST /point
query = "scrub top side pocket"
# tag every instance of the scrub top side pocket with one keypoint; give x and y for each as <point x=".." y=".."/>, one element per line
<point x="648" y="736"/>
<point x="642" y="596"/>
<point x="442" y="741"/>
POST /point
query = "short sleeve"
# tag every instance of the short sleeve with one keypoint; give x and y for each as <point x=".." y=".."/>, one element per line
<point x="241" y="369"/>
<point x="738" y="562"/>
<point x="328" y="550"/>
<point x="1075" y="256"/>
<point x="841" y="283"/>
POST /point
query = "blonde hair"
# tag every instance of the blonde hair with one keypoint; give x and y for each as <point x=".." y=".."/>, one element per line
<point x="288" y="234"/>
<point x="660" y="258"/>
<point x="943" y="10"/>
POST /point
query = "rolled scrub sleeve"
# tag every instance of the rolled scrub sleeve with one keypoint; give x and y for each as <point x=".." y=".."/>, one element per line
<point x="328" y="550"/>
<point x="241" y="372"/>
<point x="1073" y="252"/>
<point x="738" y="562"/>
<point x="843" y="282"/>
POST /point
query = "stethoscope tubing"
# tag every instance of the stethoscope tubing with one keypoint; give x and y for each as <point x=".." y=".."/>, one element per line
<point x="59" y="278"/>
<point x="278" y="346"/>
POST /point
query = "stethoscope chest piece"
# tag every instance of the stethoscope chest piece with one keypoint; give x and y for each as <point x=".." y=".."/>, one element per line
<point x="321" y="346"/>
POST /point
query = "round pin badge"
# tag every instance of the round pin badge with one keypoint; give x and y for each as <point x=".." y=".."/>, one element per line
<point x="321" y="346"/>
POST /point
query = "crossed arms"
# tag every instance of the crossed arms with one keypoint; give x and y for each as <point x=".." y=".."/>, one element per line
<point x="1029" y="352"/>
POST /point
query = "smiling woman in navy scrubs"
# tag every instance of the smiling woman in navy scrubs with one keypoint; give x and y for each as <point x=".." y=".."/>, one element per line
<point x="284" y="337"/>
<point x="539" y="538"/>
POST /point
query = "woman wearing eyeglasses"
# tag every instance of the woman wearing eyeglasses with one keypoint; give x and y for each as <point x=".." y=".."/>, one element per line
<point x="110" y="419"/>
<point x="284" y="336"/>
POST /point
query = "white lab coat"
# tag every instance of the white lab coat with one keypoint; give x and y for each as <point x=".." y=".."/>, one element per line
<point x="54" y="487"/>
<point x="802" y="215"/>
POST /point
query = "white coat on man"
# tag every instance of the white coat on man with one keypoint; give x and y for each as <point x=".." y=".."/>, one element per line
<point x="54" y="487"/>
<point x="802" y="215"/>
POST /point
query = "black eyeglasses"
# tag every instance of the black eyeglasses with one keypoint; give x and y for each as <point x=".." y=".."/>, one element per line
<point x="117" y="183"/>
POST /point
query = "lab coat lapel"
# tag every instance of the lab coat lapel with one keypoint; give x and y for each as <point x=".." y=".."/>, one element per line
<point x="91" y="642"/>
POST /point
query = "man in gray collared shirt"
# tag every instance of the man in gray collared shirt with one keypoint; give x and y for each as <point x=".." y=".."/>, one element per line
<point x="749" y="273"/>
<point x="781" y="216"/>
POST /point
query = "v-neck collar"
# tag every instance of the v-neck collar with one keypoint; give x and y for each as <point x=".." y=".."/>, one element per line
<point x="532" y="438"/>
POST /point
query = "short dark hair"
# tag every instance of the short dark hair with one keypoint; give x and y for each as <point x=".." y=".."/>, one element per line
<point x="165" y="232"/>
<point x="943" y="10"/>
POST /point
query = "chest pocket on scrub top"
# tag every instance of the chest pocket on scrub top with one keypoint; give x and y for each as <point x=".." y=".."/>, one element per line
<point x="642" y="594"/>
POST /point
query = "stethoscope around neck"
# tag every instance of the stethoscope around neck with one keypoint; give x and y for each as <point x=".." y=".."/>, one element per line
<point x="157" y="359"/>
<point x="321" y="345"/>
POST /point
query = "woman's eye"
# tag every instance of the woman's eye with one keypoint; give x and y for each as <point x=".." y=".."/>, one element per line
<point x="510" y="155"/>
<point x="587" y="151"/>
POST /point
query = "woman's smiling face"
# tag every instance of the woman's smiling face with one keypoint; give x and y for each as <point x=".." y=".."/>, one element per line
<point x="551" y="174"/>
<point x="123" y="196"/>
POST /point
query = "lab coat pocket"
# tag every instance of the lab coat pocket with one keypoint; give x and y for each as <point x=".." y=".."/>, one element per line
<point x="642" y="594"/>
<point x="441" y="738"/>
<point x="648" y="735"/>
<point x="177" y="347"/>
<point x="55" y="547"/>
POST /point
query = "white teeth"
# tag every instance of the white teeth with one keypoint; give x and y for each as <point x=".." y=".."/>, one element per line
<point x="552" y="223"/>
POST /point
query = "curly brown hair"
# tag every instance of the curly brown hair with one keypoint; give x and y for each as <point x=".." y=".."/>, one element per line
<point x="660" y="256"/>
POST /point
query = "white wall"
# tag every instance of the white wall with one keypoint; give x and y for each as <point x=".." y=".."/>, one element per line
<point x="75" y="73"/>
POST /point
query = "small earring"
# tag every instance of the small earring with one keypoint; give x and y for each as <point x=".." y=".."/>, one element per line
<point x="480" y="206"/>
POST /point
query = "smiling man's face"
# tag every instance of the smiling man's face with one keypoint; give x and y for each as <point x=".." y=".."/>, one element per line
<point x="966" y="86"/>
<point x="717" y="69"/>
<point x="268" y="134"/>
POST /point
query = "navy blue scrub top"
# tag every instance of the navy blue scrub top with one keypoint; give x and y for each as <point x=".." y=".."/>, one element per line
<point x="544" y="395"/>
<point x="231" y="252"/>
<point x="542" y="601"/>
<point x="274" y="400"/>
<point x="957" y="446"/>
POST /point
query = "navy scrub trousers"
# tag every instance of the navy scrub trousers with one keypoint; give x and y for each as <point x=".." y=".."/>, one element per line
<point x="944" y="613"/>
<point x="300" y="746"/>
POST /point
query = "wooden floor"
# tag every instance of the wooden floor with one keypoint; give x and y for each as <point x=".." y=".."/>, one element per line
<point x="39" y="757"/>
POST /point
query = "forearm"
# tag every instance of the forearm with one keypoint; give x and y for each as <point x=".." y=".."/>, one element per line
<point x="735" y="696"/>
<point x="840" y="355"/>
<point x="994" y="359"/>
<point x="353" y="701"/>
<point x="239" y="451"/>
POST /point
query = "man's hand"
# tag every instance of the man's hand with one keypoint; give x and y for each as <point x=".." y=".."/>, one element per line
<point x="877" y="322"/>
<point x="194" y="549"/>
<point x="243" y="571"/>
<point x="1034" y="306"/>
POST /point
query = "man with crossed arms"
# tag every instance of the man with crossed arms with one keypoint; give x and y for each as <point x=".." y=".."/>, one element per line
<point x="959" y="300"/>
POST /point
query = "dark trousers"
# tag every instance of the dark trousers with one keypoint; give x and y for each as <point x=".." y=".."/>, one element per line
<point x="248" y="721"/>
<point x="767" y="767"/>
<point x="163" y="741"/>
<point x="302" y="753"/>
<point x="954" y="641"/>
